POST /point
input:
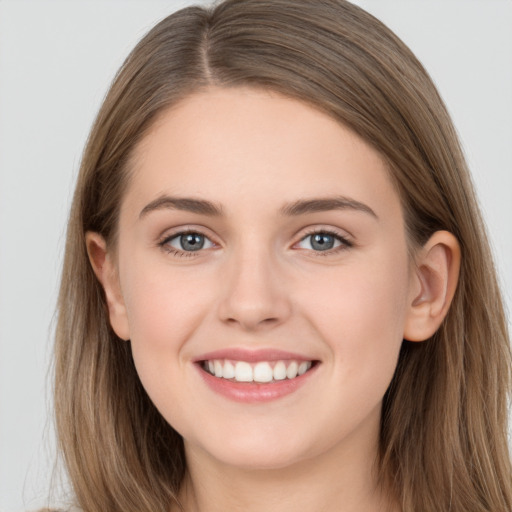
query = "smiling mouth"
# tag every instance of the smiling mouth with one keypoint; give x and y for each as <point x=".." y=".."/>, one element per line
<point x="262" y="371"/>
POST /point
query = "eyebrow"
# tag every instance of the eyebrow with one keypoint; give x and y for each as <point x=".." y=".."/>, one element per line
<point x="186" y="204"/>
<point x="300" y="207"/>
<point x="304" y="206"/>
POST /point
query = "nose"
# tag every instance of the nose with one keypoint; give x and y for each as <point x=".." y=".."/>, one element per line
<point x="254" y="296"/>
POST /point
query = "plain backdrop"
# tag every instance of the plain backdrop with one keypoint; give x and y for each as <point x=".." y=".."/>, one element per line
<point x="56" y="61"/>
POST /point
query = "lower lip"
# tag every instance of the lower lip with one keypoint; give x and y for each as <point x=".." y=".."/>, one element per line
<point x="252" y="392"/>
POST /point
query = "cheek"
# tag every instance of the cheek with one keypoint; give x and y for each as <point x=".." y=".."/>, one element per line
<point x="378" y="304"/>
<point x="164" y="308"/>
<point x="362" y="319"/>
<point x="374" y="289"/>
<point x="164" y="311"/>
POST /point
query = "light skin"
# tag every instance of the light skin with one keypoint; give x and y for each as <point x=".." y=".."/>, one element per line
<point x="266" y="173"/>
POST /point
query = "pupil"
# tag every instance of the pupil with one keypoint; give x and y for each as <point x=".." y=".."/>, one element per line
<point x="322" y="242"/>
<point x="192" y="241"/>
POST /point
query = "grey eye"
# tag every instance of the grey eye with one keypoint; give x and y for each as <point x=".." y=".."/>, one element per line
<point x="190" y="242"/>
<point x="320" y="241"/>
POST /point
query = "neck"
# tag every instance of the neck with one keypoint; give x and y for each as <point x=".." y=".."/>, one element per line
<point x="343" y="479"/>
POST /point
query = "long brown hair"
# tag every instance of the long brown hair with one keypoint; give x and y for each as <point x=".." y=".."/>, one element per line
<point x="443" y="443"/>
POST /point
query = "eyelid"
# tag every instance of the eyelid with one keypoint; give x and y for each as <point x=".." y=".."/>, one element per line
<point x="181" y="235"/>
<point x="168" y="235"/>
<point x="345" y="239"/>
<point x="346" y="242"/>
<point x="183" y="229"/>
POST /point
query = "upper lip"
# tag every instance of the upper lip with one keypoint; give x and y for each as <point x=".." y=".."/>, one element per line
<point x="254" y="355"/>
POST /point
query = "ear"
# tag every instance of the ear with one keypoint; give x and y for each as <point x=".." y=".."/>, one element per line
<point x="106" y="272"/>
<point x="433" y="285"/>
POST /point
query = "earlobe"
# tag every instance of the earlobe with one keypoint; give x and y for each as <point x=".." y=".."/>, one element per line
<point x="106" y="272"/>
<point x="433" y="285"/>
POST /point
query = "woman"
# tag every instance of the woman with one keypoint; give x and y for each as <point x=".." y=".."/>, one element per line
<point x="273" y="205"/>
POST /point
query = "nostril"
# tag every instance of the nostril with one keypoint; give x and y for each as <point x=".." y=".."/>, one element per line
<point x="251" y="296"/>
<point x="254" y="322"/>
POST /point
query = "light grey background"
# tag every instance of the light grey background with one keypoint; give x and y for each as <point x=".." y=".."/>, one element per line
<point x="56" y="61"/>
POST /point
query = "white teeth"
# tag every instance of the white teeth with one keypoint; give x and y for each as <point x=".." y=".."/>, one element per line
<point x="229" y="370"/>
<point x="291" y="371"/>
<point x="280" y="371"/>
<point x="218" y="368"/>
<point x="263" y="371"/>
<point x="243" y="372"/>
<point x="304" y="367"/>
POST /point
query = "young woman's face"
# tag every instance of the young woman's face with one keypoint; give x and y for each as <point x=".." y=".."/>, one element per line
<point x="264" y="279"/>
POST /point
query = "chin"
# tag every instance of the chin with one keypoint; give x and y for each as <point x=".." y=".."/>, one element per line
<point x="252" y="453"/>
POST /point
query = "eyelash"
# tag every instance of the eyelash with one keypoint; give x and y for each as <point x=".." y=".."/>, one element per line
<point x="344" y="242"/>
<point x="176" y="252"/>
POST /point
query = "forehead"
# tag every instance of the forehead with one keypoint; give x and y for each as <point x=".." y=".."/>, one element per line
<point x="243" y="145"/>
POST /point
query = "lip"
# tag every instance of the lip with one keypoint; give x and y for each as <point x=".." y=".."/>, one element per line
<point x="252" y="356"/>
<point x="254" y="392"/>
